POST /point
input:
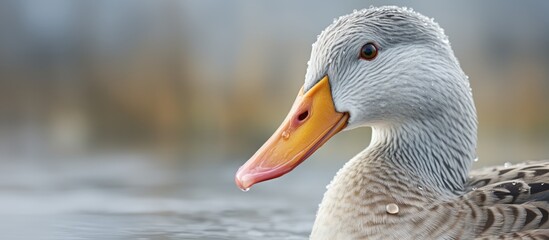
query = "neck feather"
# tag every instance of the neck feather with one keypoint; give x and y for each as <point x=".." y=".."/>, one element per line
<point x="437" y="151"/>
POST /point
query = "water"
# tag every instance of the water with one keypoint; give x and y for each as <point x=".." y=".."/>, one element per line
<point x="285" y="135"/>
<point x="130" y="198"/>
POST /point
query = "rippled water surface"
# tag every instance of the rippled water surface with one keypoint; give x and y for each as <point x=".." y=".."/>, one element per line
<point x="129" y="198"/>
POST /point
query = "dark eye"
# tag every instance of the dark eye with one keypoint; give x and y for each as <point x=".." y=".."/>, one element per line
<point x="368" y="51"/>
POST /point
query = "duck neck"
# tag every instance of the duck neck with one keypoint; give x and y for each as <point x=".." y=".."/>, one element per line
<point x="436" y="152"/>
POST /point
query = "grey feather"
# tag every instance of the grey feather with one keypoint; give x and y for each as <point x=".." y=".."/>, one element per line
<point x="419" y="104"/>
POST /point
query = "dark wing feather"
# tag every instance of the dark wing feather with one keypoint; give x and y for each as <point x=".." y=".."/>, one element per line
<point x="538" y="234"/>
<point x="534" y="174"/>
<point x="511" y="202"/>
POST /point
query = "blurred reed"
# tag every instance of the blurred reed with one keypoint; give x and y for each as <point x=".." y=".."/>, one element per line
<point x="209" y="81"/>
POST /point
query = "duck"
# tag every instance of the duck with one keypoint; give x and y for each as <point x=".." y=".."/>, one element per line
<point x="393" y="70"/>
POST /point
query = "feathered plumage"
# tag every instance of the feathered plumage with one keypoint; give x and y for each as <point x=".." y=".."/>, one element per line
<point x="414" y="180"/>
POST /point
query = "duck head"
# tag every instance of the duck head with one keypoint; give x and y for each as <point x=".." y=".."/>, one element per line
<point x="375" y="67"/>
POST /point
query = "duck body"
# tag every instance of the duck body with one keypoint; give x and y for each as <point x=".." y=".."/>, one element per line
<point x="496" y="203"/>
<point x="355" y="205"/>
<point x="393" y="70"/>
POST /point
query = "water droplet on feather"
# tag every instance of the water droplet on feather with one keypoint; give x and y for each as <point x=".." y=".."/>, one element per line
<point x="392" y="208"/>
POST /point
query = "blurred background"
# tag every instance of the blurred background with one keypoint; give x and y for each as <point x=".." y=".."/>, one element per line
<point x="169" y="95"/>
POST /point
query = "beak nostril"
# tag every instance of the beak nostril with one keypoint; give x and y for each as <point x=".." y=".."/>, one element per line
<point x="303" y="116"/>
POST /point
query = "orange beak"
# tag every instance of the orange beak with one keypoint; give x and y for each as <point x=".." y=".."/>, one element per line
<point x="311" y="122"/>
